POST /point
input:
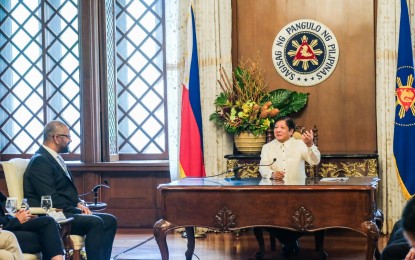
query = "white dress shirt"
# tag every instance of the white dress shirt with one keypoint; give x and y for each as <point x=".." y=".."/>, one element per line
<point x="290" y="157"/>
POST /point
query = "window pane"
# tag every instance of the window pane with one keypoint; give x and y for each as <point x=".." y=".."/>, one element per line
<point x="39" y="76"/>
<point x="140" y="77"/>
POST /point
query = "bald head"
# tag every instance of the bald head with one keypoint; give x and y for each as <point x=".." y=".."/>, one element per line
<point x="51" y="129"/>
<point x="56" y="136"/>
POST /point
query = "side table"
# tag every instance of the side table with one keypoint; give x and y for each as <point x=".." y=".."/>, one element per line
<point x="96" y="206"/>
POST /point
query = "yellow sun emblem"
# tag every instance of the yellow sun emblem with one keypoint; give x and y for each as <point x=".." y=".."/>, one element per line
<point x="305" y="52"/>
<point x="405" y="96"/>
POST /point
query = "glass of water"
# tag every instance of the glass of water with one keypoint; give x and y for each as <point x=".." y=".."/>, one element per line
<point x="46" y="203"/>
<point x="11" y="205"/>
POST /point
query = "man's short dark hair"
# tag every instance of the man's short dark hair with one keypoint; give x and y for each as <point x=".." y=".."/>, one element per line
<point x="289" y="121"/>
<point x="408" y="217"/>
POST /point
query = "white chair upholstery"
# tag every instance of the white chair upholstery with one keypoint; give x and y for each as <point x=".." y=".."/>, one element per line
<point x="13" y="171"/>
<point x="31" y="256"/>
<point x="78" y="242"/>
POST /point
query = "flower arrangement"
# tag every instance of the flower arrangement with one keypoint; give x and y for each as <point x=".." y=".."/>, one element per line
<point x="245" y="106"/>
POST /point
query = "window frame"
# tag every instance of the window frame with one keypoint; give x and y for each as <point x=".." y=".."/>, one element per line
<point x="95" y="135"/>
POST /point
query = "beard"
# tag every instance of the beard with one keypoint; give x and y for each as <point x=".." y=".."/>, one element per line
<point x="64" y="149"/>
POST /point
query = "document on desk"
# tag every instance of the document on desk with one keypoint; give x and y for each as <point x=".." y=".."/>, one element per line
<point x="337" y="179"/>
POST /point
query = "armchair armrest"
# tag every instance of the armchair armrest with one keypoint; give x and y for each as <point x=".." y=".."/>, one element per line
<point x="38" y="210"/>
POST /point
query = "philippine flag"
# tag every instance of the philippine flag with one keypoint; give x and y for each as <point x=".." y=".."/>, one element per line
<point x="191" y="135"/>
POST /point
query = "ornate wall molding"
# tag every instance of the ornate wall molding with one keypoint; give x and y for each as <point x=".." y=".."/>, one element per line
<point x="367" y="167"/>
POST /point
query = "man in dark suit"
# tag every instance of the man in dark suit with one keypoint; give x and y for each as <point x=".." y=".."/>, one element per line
<point x="401" y="244"/>
<point x="34" y="234"/>
<point x="47" y="174"/>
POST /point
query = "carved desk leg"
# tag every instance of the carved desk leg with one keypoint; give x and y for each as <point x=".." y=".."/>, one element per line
<point x="190" y="232"/>
<point x="372" y="233"/>
<point x="160" y="231"/>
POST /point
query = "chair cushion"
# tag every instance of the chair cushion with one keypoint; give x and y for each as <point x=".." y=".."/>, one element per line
<point x="31" y="256"/>
<point x="4" y="254"/>
<point x="13" y="171"/>
<point x="78" y="242"/>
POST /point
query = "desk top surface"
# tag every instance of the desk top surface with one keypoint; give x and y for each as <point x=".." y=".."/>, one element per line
<point x="302" y="183"/>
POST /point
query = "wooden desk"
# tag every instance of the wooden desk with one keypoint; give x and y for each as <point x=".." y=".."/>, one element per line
<point x="307" y="205"/>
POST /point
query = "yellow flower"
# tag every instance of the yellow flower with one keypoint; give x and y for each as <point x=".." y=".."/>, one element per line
<point x="241" y="114"/>
<point x="246" y="108"/>
<point x="267" y="122"/>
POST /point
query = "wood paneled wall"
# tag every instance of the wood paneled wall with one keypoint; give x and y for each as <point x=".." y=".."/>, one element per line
<point x="343" y="107"/>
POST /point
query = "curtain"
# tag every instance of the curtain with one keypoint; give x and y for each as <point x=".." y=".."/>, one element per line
<point x="391" y="198"/>
<point x="213" y="31"/>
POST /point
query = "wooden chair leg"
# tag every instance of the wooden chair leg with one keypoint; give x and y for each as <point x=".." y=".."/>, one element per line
<point x="319" y="242"/>
<point x="258" y="232"/>
<point x="379" y="218"/>
<point x="76" y="255"/>
<point x="272" y="242"/>
<point x="319" y="239"/>
<point x="64" y="230"/>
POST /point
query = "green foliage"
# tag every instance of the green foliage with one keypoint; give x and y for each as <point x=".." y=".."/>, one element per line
<point x="246" y="106"/>
<point x="286" y="101"/>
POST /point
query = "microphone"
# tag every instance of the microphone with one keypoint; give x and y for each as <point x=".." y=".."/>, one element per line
<point x="96" y="188"/>
<point x="95" y="191"/>
<point x="273" y="161"/>
<point x="235" y="170"/>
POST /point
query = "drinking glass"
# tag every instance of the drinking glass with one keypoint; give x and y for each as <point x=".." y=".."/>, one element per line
<point x="46" y="203"/>
<point x="11" y="205"/>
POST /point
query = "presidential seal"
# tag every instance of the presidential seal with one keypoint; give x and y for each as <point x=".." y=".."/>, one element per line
<point x="305" y="52"/>
<point x="405" y="96"/>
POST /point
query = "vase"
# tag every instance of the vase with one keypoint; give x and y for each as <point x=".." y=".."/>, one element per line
<point x="248" y="143"/>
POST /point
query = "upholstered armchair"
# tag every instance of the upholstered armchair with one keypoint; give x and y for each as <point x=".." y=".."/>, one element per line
<point x="13" y="171"/>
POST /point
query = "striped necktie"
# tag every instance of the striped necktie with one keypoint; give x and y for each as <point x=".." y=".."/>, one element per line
<point x="63" y="165"/>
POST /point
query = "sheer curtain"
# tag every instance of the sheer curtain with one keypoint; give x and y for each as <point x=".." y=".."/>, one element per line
<point x="388" y="18"/>
<point x="213" y="29"/>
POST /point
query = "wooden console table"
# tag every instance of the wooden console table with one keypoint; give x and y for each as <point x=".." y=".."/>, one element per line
<point x="307" y="205"/>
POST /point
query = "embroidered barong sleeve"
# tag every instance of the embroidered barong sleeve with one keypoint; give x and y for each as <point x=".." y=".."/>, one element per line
<point x="267" y="157"/>
<point x="312" y="155"/>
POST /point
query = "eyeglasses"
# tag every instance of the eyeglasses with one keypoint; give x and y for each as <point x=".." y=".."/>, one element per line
<point x="67" y="136"/>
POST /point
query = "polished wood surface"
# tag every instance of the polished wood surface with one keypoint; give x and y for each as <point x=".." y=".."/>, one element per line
<point x="340" y="245"/>
<point x="343" y="107"/>
<point x="308" y="205"/>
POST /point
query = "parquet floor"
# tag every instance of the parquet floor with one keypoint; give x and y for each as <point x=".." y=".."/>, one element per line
<point x="339" y="244"/>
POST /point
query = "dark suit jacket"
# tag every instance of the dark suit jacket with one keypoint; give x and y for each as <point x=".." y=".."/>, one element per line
<point x="44" y="176"/>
